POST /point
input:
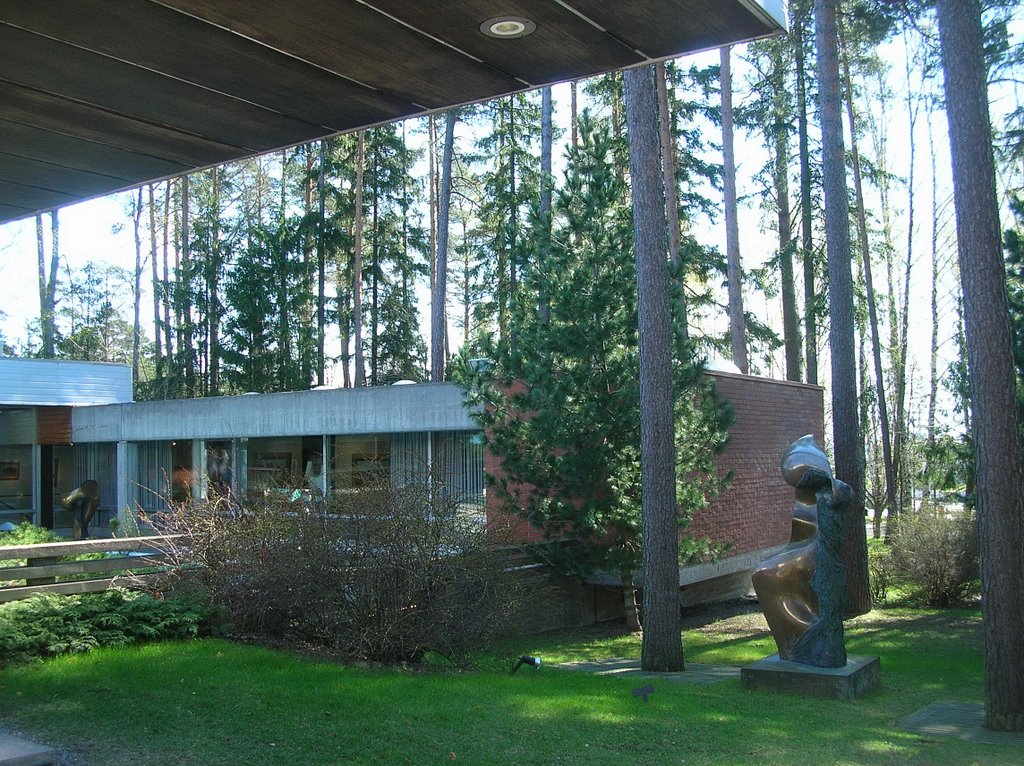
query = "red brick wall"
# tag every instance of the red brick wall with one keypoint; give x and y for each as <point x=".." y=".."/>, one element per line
<point x="755" y="510"/>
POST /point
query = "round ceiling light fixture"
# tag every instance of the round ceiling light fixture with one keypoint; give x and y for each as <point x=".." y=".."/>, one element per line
<point x="508" y="27"/>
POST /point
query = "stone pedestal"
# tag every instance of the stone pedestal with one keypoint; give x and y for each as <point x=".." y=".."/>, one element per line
<point x="859" y="676"/>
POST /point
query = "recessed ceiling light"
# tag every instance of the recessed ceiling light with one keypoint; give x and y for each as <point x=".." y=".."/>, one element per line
<point x="508" y="27"/>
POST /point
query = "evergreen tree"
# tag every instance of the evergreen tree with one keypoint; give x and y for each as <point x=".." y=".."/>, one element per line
<point x="395" y="259"/>
<point x="509" y="187"/>
<point x="562" y="411"/>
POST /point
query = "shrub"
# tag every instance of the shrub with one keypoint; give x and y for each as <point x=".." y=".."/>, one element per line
<point x="937" y="554"/>
<point x="381" y="573"/>
<point x="27" y="533"/>
<point x="880" y="570"/>
<point x="48" y="625"/>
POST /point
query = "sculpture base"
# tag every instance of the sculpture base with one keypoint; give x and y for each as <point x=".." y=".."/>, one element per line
<point x="859" y="676"/>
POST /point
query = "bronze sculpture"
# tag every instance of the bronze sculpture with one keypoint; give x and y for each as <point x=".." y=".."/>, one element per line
<point x="82" y="502"/>
<point x="801" y="588"/>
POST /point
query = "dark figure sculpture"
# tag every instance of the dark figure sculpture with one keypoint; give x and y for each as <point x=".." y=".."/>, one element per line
<point x="82" y="503"/>
<point x="801" y="588"/>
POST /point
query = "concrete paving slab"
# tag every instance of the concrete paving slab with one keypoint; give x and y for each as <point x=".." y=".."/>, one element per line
<point x="962" y="720"/>
<point x="695" y="673"/>
<point x="21" y="752"/>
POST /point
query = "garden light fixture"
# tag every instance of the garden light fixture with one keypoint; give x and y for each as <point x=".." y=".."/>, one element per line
<point x="533" y="662"/>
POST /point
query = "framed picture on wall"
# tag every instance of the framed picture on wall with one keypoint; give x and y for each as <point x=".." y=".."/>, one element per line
<point x="270" y="466"/>
<point x="10" y="470"/>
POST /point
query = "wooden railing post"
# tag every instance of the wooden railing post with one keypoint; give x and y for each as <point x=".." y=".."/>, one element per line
<point x="42" y="561"/>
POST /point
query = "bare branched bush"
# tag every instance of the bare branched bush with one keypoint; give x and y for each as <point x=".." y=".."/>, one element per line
<point x="937" y="554"/>
<point x="380" y="573"/>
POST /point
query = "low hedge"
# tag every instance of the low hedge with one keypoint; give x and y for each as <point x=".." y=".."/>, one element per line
<point x="48" y="625"/>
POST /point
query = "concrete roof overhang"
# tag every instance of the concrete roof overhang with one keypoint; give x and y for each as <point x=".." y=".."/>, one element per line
<point x="102" y="95"/>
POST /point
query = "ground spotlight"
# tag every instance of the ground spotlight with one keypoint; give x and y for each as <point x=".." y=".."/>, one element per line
<point x="533" y="662"/>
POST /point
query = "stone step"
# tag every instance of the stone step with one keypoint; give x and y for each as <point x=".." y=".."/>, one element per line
<point x="20" y="752"/>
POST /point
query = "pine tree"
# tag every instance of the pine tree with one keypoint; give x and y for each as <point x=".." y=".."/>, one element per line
<point x="564" y="413"/>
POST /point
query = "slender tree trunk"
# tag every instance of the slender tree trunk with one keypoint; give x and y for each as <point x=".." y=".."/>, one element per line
<point x="668" y="170"/>
<point x="668" y="163"/>
<point x="780" y="142"/>
<point x="806" y="209"/>
<point x="869" y="290"/>
<point x="186" y="344"/>
<point x="466" y="281"/>
<point x="438" y="300"/>
<point x="165" y="285"/>
<point x="901" y="426"/>
<point x="137" y="286"/>
<point x="155" y="279"/>
<point x="933" y="366"/>
<point x="734" y="272"/>
<point x="374" y="330"/>
<point x="46" y="307"/>
<point x="434" y="200"/>
<point x="546" y="182"/>
<point x="214" y="309"/>
<point x="359" y="376"/>
<point x="574" y="128"/>
<point x="846" y="437"/>
<point x="662" y="648"/>
<point x="997" y="442"/>
<point x="321" y="272"/>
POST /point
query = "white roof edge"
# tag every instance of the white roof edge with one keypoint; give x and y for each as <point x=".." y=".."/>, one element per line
<point x="773" y="11"/>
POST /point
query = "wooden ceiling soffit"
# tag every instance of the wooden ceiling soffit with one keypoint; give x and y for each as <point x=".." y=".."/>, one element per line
<point x="100" y="95"/>
<point x="564" y="45"/>
<point x="351" y="39"/>
<point x="122" y="88"/>
<point x="208" y="57"/>
<point x="661" y="28"/>
<point x="34" y="109"/>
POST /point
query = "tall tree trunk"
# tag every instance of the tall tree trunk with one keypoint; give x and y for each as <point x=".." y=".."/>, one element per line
<point x="321" y="272"/>
<point x="439" y="297"/>
<point x="434" y="196"/>
<point x="154" y="273"/>
<point x="214" y="309"/>
<point x="900" y="425"/>
<point x="780" y="142"/>
<point x="359" y="375"/>
<point x="668" y="162"/>
<point x="869" y="290"/>
<point x="375" y="268"/>
<point x="734" y="272"/>
<point x="933" y="364"/>
<point x="165" y="294"/>
<point x="846" y="437"/>
<point x="662" y="648"/>
<point x="806" y="209"/>
<point x="137" y="286"/>
<point x="466" y="281"/>
<point x="574" y="128"/>
<point x="47" y="291"/>
<point x="546" y="182"/>
<point x="184" y="269"/>
<point x="668" y="171"/>
<point x="997" y="441"/>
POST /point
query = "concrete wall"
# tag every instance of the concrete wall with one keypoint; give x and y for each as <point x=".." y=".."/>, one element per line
<point x="381" y="409"/>
<point x="59" y="382"/>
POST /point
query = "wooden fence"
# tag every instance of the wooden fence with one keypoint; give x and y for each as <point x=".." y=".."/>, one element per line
<point x="48" y="571"/>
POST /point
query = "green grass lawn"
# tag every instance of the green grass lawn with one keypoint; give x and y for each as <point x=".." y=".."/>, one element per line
<point x="214" y="702"/>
